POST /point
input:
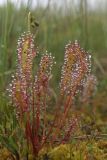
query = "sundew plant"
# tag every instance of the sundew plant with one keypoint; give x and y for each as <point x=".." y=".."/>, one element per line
<point x="31" y="95"/>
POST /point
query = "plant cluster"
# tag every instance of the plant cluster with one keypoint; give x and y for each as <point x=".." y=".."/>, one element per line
<point x="30" y="93"/>
<point x="42" y="125"/>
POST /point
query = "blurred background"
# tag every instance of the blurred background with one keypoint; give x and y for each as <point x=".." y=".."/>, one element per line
<point x="60" y="21"/>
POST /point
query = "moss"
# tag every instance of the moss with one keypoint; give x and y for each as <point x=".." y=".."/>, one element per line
<point x="6" y="155"/>
<point x="78" y="151"/>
